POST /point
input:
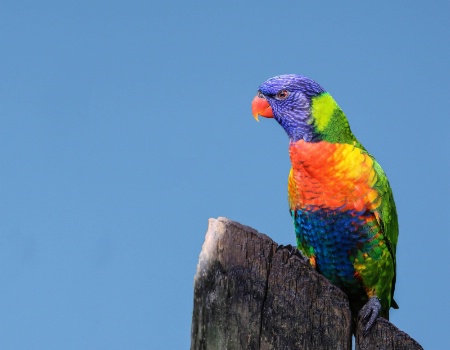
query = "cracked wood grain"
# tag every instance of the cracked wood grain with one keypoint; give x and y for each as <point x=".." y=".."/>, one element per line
<point x="249" y="295"/>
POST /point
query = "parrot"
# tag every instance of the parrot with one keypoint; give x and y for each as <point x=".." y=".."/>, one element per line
<point x="340" y="200"/>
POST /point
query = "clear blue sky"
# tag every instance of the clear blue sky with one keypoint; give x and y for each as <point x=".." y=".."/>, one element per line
<point x="124" y="126"/>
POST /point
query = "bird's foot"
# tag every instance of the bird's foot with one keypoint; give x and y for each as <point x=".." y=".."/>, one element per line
<point x="369" y="313"/>
<point x="292" y="250"/>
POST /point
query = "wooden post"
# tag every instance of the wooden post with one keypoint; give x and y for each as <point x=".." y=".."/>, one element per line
<point x="384" y="335"/>
<point x="249" y="295"/>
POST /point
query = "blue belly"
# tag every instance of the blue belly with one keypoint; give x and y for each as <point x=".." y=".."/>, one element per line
<point x="333" y="238"/>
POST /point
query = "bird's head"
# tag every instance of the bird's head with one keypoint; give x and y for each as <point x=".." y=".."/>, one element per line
<point x="302" y="107"/>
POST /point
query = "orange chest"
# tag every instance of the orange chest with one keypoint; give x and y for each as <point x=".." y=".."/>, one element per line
<point x="331" y="176"/>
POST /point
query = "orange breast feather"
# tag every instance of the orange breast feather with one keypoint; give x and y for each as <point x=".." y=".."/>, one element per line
<point x="331" y="176"/>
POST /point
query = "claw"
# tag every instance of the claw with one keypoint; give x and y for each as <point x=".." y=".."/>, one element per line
<point x="292" y="250"/>
<point x="369" y="313"/>
<point x="282" y="246"/>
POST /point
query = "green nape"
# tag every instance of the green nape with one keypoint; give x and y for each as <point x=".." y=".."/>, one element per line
<point x="330" y="121"/>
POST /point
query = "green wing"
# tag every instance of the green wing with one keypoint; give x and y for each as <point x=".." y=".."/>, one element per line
<point x="387" y="215"/>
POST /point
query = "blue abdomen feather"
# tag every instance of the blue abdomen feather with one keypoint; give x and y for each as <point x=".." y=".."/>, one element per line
<point x="333" y="238"/>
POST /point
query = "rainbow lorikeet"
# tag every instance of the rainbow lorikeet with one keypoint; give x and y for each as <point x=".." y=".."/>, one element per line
<point x="340" y="199"/>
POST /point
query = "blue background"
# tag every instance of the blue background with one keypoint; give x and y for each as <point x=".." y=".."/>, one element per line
<point x="124" y="126"/>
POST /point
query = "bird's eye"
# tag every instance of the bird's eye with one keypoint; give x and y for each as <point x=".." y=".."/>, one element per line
<point x="282" y="95"/>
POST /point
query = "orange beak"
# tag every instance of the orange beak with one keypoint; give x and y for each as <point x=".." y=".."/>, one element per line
<point x="260" y="106"/>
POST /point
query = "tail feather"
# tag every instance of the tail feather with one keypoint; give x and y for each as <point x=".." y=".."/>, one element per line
<point x="394" y="304"/>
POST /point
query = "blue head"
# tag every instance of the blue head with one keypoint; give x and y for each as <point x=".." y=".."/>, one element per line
<point x="290" y="99"/>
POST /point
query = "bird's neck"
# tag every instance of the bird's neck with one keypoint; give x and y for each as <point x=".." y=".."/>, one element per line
<point x="329" y="121"/>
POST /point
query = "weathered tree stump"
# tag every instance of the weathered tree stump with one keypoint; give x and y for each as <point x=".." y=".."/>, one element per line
<point x="384" y="335"/>
<point x="249" y="295"/>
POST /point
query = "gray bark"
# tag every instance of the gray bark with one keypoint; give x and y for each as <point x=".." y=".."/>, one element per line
<point x="249" y="295"/>
<point x="384" y="335"/>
